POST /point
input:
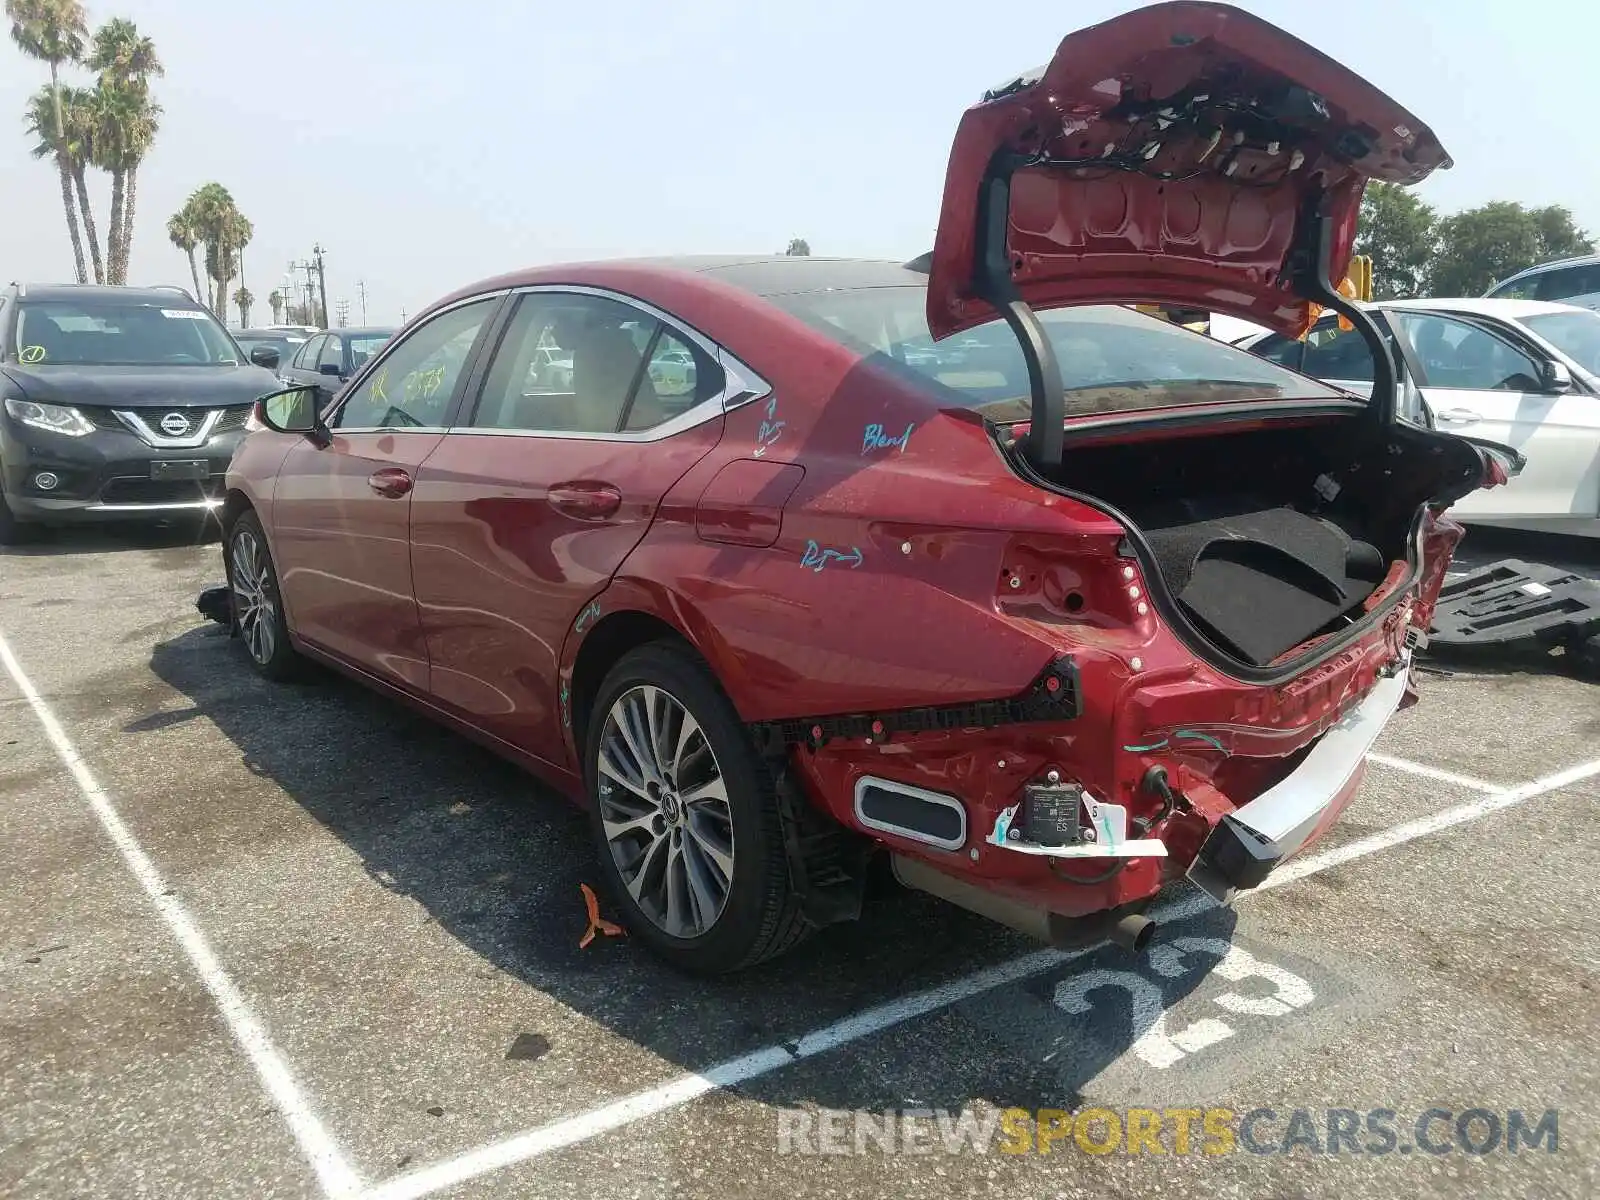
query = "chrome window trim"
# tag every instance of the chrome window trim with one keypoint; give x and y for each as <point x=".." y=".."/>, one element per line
<point x="741" y="385"/>
<point x="393" y="344"/>
<point x="341" y="430"/>
<point x="152" y="437"/>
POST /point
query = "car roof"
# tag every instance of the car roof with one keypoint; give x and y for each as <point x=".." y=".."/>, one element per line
<point x="762" y="275"/>
<point x="362" y="330"/>
<point x="1485" y="306"/>
<point x="1537" y="268"/>
<point x="172" y="297"/>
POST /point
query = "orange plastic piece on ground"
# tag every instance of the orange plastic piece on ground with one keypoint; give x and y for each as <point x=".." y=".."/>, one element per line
<point x="597" y="923"/>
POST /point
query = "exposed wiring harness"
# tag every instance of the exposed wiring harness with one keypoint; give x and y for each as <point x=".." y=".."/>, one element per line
<point x="1154" y="123"/>
<point x="1155" y="780"/>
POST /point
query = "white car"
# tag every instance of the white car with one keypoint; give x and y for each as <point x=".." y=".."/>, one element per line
<point x="1525" y="373"/>
<point x="551" y="369"/>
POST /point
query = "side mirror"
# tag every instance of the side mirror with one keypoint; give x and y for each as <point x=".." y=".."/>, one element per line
<point x="1555" y="377"/>
<point x="265" y="356"/>
<point x="330" y="369"/>
<point x="293" y="410"/>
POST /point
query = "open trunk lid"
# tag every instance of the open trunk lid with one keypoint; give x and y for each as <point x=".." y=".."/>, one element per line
<point x="1185" y="153"/>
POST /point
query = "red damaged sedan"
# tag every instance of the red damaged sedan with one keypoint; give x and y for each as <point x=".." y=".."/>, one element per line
<point x="781" y="564"/>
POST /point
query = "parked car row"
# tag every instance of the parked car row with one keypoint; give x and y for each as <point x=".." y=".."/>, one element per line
<point x="118" y="403"/>
<point x="1522" y="372"/>
<point x="127" y="403"/>
<point x="738" y="554"/>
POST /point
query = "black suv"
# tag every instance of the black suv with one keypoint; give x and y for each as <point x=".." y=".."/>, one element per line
<point x="117" y="402"/>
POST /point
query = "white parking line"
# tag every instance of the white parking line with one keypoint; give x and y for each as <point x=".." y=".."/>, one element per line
<point x="337" y="1177"/>
<point x="1434" y="773"/>
<point x="559" y="1134"/>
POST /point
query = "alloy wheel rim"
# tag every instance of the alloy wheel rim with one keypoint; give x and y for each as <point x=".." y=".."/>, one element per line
<point x="255" y="605"/>
<point x="664" y="808"/>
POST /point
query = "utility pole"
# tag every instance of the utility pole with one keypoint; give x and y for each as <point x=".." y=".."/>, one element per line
<point x="361" y="290"/>
<point x="308" y="292"/>
<point x="322" y="282"/>
<point x="343" y="309"/>
<point x="402" y="316"/>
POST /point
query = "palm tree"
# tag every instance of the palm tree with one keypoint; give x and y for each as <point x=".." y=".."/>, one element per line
<point x="125" y="123"/>
<point x="217" y="221"/>
<point x="138" y="134"/>
<point x="53" y="32"/>
<point x="275" y="303"/>
<point x="71" y="156"/>
<point x="242" y="299"/>
<point x="184" y="233"/>
<point x="125" y="60"/>
<point x="82" y="118"/>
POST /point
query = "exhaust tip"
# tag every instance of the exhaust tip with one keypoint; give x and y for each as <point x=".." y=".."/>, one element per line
<point x="1133" y="933"/>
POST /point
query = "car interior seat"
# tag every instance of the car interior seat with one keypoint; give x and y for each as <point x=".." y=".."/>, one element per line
<point x="605" y="363"/>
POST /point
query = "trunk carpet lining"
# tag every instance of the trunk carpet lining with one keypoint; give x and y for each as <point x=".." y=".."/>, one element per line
<point x="1259" y="579"/>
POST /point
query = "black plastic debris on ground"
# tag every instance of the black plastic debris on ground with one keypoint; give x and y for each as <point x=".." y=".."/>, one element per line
<point x="527" y="1047"/>
<point x="1516" y="609"/>
<point x="216" y="604"/>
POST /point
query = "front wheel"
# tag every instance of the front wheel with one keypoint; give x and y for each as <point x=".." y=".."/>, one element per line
<point x="686" y="818"/>
<point x="257" y="605"/>
<point x="12" y="531"/>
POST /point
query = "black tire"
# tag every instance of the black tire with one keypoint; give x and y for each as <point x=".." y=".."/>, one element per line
<point x="257" y="604"/>
<point x="1586" y="657"/>
<point x="760" y="916"/>
<point x="12" y="531"/>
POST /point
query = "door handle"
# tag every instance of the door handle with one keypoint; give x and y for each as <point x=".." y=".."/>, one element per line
<point x="1457" y="416"/>
<point x="586" y="500"/>
<point x="391" y="482"/>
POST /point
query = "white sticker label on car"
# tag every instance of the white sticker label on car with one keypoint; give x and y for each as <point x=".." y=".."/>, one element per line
<point x="183" y="314"/>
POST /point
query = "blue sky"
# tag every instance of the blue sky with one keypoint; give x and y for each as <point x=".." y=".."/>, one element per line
<point x="426" y="146"/>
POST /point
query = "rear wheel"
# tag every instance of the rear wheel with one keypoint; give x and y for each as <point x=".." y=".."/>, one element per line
<point x="257" y="606"/>
<point x="685" y="817"/>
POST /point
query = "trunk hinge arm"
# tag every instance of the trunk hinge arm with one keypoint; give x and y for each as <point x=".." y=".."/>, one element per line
<point x="1309" y="274"/>
<point x="996" y="287"/>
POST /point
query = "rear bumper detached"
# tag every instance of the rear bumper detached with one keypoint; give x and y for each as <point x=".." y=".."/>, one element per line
<point x="1245" y="845"/>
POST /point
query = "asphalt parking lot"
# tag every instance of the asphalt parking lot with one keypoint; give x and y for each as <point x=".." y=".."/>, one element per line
<point x="267" y="941"/>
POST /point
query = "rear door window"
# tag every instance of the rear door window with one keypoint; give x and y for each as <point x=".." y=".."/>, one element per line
<point x="582" y="364"/>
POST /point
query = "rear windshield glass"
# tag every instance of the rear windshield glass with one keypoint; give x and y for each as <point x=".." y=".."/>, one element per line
<point x="1576" y="334"/>
<point x="109" y="333"/>
<point x="284" y="346"/>
<point x="1112" y="358"/>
